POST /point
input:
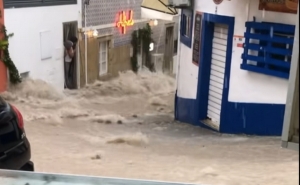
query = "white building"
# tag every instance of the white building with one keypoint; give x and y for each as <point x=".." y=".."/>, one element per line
<point x="230" y="78"/>
<point x="37" y="45"/>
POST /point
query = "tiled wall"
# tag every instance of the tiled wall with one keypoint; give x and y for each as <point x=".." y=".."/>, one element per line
<point x="101" y="12"/>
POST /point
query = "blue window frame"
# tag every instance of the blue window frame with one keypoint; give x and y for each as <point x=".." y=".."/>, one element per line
<point x="186" y="27"/>
<point x="268" y="48"/>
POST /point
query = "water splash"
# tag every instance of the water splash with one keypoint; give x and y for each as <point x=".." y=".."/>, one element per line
<point x="38" y="100"/>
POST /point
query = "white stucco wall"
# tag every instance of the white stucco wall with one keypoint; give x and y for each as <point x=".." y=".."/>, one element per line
<point x="244" y="86"/>
<point x="25" y="46"/>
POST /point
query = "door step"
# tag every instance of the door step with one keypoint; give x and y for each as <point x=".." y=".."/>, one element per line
<point x="210" y="124"/>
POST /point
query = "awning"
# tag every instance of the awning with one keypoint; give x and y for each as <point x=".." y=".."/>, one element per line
<point x="159" y="5"/>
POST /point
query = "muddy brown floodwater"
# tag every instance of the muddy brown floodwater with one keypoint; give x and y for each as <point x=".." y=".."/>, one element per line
<point x="125" y="128"/>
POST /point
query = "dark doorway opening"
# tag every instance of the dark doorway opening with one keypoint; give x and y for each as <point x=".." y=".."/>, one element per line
<point x="70" y="30"/>
<point x="169" y="49"/>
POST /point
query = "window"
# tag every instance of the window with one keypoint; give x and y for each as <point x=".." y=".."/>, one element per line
<point x="103" y="58"/>
<point x="268" y="48"/>
<point x="186" y="27"/>
<point x="33" y="3"/>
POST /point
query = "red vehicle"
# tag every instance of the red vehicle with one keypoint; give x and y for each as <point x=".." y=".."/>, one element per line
<point x="15" y="150"/>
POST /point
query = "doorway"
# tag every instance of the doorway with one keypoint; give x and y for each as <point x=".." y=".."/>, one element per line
<point x="169" y="49"/>
<point x="214" y="69"/>
<point x="70" y="30"/>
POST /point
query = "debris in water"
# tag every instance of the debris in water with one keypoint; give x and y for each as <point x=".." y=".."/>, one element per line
<point x="138" y="139"/>
<point x="108" y="119"/>
<point x="160" y="109"/>
<point x="96" y="157"/>
<point x="160" y="128"/>
<point x="157" y="101"/>
<point x="99" y="121"/>
<point x="130" y="162"/>
<point x="108" y="122"/>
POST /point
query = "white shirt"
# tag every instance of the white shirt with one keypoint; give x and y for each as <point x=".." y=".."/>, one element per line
<point x="68" y="58"/>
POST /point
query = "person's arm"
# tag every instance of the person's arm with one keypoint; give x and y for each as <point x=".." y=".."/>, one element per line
<point x="71" y="52"/>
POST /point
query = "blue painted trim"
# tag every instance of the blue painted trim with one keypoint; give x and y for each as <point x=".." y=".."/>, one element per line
<point x="253" y="119"/>
<point x="267" y="61"/>
<point x="236" y="118"/>
<point x="204" y="67"/>
<point x="176" y="107"/>
<point x="269" y="38"/>
<point x="205" y="63"/>
<point x="263" y="60"/>
<point x="262" y="70"/>
<point x="242" y="118"/>
<point x="183" y="39"/>
<point x="270" y="49"/>
<point x="187" y="111"/>
<point x="277" y="27"/>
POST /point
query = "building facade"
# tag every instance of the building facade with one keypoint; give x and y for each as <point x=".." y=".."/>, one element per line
<point x="37" y="45"/>
<point x="167" y="27"/>
<point x="109" y="51"/>
<point x="234" y="62"/>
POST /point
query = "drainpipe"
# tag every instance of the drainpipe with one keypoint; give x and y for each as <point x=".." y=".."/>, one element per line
<point x="87" y="2"/>
<point x="178" y="50"/>
<point x="248" y="9"/>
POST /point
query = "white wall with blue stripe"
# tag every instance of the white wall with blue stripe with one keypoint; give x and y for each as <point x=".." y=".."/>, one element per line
<point x="252" y="100"/>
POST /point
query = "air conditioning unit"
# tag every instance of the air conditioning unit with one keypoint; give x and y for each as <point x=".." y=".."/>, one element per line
<point x="180" y="3"/>
<point x="158" y="60"/>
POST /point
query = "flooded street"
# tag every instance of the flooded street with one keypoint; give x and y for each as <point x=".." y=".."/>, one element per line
<point x="125" y="128"/>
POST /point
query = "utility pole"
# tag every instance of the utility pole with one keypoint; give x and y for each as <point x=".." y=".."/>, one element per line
<point x="86" y="3"/>
<point x="291" y="117"/>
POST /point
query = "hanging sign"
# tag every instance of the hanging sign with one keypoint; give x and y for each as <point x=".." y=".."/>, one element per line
<point x="238" y="41"/>
<point x="197" y="38"/>
<point x="124" y="21"/>
<point x="284" y="6"/>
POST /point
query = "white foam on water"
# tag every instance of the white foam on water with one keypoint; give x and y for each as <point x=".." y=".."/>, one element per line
<point x="129" y="83"/>
<point x="31" y="88"/>
<point x="39" y="100"/>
